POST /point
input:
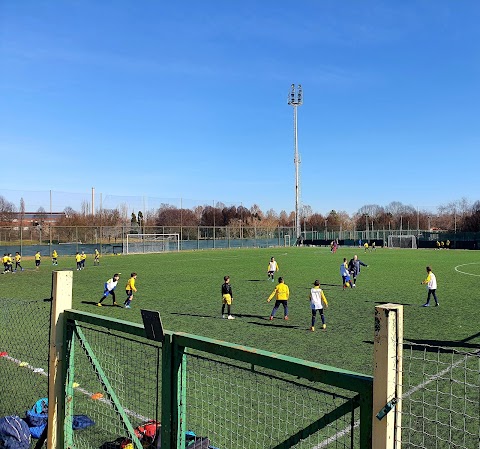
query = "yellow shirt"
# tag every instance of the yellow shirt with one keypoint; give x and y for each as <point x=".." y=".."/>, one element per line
<point x="38" y="256"/>
<point x="4" y="259"/>
<point x="54" y="254"/>
<point x="83" y="256"/>
<point x="281" y="292"/>
<point x="18" y="257"/>
<point x="78" y="257"/>
<point x="131" y="285"/>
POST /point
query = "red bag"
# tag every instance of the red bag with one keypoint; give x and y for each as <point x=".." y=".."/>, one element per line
<point x="147" y="433"/>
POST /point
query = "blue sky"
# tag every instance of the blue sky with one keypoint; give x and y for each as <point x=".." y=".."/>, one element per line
<point x="189" y="100"/>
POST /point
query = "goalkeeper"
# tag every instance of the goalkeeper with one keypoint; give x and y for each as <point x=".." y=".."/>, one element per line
<point x="110" y="286"/>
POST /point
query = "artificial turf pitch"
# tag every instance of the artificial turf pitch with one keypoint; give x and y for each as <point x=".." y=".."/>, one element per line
<point x="185" y="288"/>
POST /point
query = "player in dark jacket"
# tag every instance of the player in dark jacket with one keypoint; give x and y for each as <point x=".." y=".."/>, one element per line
<point x="354" y="268"/>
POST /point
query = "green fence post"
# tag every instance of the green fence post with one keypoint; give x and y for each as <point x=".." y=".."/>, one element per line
<point x="167" y="389"/>
<point x="179" y="389"/>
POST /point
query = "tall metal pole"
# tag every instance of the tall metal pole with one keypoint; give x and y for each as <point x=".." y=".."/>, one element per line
<point x="295" y="99"/>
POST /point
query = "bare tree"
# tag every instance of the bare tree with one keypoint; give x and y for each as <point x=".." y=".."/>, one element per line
<point x="7" y="210"/>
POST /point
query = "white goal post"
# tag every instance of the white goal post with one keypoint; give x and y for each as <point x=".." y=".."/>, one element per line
<point x="152" y="243"/>
<point x="402" y="241"/>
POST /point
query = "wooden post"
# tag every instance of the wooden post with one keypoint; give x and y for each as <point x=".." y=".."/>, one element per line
<point x="387" y="382"/>
<point x="62" y="282"/>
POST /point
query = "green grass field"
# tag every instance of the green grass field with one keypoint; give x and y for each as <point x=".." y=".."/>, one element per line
<point x="185" y="288"/>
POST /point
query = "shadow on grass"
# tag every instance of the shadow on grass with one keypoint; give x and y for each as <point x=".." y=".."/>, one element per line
<point x="244" y="315"/>
<point x="270" y="324"/>
<point x="257" y="280"/>
<point x="236" y="315"/>
<point x="94" y="303"/>
<point x="195" y="314"/>
<point x="389" y="302"/>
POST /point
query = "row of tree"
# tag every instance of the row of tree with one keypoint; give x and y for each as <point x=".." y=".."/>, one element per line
<point x="459" y="215"/>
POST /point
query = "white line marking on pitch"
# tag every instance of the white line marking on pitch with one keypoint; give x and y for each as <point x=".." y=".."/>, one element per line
<point x="347" y="430"/>
<point x="42" y="372"/>
<point x="464" y="272"/>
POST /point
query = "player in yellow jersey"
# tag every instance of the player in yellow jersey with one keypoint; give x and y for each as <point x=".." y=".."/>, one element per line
<point x="54" y="257"/>
<point x="96" y="257"/>
<point x="83" y="257"/>
<point x="129" y="289"/>
<point x="78" y="260"/>
<point x="18" y="261"/>
<point x="10" y="263"/>
<point x="5" y="264"/>
<point x="281" y="294"/>
<point x="38" y="259"/>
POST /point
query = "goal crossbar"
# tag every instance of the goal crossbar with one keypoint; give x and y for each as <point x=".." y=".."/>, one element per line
<point x="152" y="243"/>
<point x="402" y="241"/>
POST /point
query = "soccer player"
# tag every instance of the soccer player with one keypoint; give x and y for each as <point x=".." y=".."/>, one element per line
<point x="354" y="268"/>
<point x="365" y="245"/>
<point x="109" y="289"/>
<point x="78" y="260"/>
<point x="83" y="257"/>
<point x="96" y="257"/>
<point x="38" y="259"/>
<point x="227" y="297"/>
<point x="18" y="261"/>
<point x="5" y="263"/>
<point x="129" y="289"/>
<point x="345" y="274"/>
<point x="281" y="294"/>
<point x="317" y="301"/>
<point x="272" y="268"/>
<point x="431" y="282"/>
<point x="54" y="257"/>
<point x="10" y="263"/>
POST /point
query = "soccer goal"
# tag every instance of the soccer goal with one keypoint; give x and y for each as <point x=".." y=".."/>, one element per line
<point x="402" y="241"/>
<point x="286" y="240"/>
<point x="152" y="243"/>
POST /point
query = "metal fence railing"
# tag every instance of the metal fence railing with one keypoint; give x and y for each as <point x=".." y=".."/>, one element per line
<point x="441" y="397"/>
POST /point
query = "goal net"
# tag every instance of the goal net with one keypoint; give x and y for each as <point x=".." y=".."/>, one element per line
<point x="402" y="241"/>
<point x="152" y="243"/>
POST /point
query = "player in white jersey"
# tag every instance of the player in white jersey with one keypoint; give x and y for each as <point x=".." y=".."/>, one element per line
<point x="272" y="268"/>
<point x="317" y="301"/>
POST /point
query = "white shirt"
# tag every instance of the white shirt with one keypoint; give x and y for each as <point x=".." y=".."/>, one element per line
<point x="316" y="298"/>
<point x="111" y="284"/>
<point x="272" y="266"/>
<point x="432" y="283"/>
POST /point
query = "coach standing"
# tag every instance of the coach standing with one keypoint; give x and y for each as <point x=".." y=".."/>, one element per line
<point x="354" y="268"/>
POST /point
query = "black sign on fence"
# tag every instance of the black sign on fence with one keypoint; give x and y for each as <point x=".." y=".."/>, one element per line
<point x="153" y="325"/>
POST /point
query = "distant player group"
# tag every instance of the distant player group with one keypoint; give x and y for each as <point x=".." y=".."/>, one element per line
<point x="111" y="285"/>
<point x="281" y="293"/>
<point x="318" y="302"/>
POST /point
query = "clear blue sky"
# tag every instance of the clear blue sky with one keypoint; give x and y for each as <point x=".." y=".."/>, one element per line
<point x="189" y="100"/>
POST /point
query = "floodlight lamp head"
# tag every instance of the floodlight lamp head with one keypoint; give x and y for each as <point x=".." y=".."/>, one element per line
<point x="300" y="94"/>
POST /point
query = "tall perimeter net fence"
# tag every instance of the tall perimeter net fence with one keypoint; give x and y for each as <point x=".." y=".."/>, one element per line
<point x="114" y="380"/>
<point x="24" y="349"/>
<point x="240" y="406"/>
<point x="441" y="397"/>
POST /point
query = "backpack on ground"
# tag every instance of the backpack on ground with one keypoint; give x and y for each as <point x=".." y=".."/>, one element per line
<point x="14" y="433"/>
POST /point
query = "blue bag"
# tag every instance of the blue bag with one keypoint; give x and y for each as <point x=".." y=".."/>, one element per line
<point x="14" y="433"/>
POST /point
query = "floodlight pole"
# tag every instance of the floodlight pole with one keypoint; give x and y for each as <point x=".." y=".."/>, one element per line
<point x="295" y="99"/>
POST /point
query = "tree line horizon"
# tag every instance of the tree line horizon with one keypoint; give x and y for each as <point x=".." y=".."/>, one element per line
<point x="460" y="215"/>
